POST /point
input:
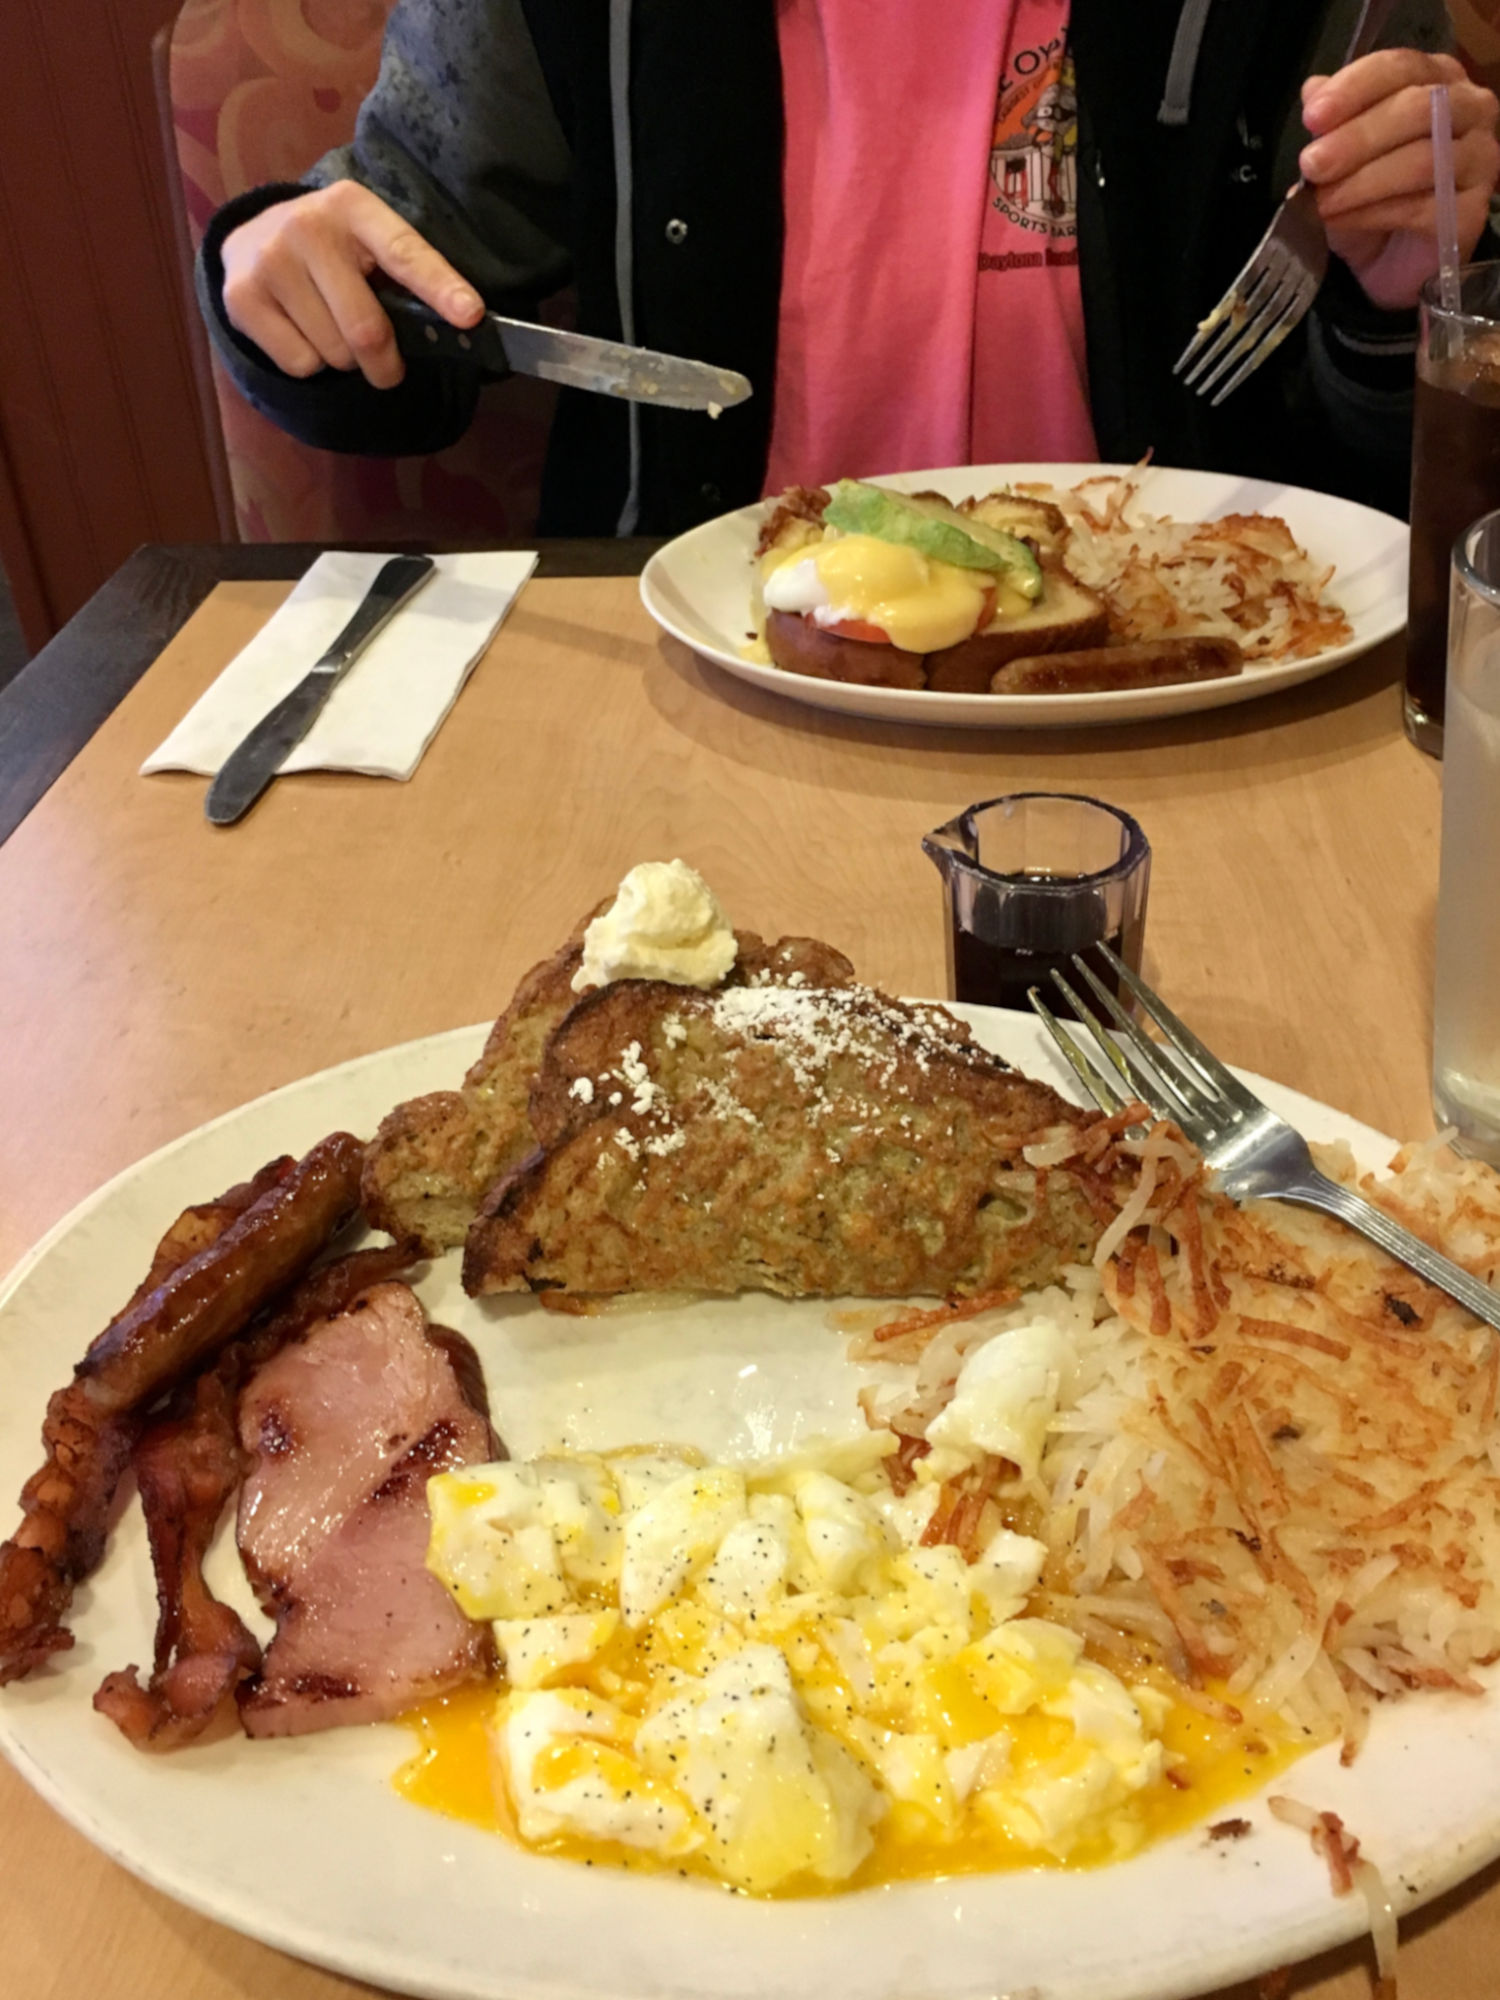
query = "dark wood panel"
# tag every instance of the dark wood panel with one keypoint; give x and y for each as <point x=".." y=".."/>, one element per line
<point x="54" y="705"/>
<point x="18" y="563"/>
<point x="98" y="413"/>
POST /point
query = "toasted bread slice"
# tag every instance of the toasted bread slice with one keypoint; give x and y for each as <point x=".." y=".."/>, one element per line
<point x="1067" y="619"/>
<point x="778" y="1138"/>
<point x="433" y="1157"/>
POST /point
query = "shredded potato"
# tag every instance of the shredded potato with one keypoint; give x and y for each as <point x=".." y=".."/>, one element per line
<point x="1243" y="577"/>
<point x="1279" y="1461"/>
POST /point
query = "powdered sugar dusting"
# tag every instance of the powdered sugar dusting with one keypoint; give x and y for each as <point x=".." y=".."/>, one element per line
<point x="815" y="1031"/>
<point x="815" y="1025"/>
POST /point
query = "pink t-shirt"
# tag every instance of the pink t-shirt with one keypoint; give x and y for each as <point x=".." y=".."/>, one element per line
<point x="930" y="312"/>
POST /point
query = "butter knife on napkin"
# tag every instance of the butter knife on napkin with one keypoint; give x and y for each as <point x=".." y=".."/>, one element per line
<point x="251" y="767"/>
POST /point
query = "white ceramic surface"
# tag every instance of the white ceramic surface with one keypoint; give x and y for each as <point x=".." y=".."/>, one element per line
<point x="698" y="589"/>
<point x="303" y="1844"/>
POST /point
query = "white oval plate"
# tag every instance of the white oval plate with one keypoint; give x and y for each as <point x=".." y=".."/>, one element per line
<point x="698" y="589"/>
<point x="304" y="1845"/>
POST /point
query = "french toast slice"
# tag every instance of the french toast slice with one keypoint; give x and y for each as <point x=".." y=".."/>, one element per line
<point x="780" y="1138"/>
<point x="433" y="1157"/>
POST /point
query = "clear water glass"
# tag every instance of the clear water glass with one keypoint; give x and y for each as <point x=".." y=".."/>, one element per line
<point x="1466" y="1003"/>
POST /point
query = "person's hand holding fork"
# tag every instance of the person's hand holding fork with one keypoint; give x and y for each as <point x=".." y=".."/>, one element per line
<point x="1370" y="164"/>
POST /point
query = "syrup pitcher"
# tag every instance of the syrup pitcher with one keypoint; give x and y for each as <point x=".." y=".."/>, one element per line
<point x="1032" y="878"/>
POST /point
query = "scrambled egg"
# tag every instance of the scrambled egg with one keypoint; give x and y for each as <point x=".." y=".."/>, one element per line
<point x="769" y="1675"/>
<point x="764" y="1674"/>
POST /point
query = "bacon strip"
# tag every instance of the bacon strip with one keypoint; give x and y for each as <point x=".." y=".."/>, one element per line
<point x="288" y="1214"/>
<point x="187" y="1466"/>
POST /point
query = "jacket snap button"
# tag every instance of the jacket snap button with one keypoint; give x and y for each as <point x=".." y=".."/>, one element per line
<point x="711" y="494"/>
<point x="1098" y="170"/>
<point x="676" y="231"/>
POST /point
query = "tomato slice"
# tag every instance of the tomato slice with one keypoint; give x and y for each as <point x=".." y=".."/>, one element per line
<point x="987" y="608"/>
<point x="858" y="628"/>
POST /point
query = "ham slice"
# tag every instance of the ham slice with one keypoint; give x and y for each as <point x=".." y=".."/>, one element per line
<point x="343" y="1432"/>
<point x="188" y="1465"/>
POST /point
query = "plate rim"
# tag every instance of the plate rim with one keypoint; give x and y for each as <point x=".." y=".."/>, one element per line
<point x="1109" y="708"/>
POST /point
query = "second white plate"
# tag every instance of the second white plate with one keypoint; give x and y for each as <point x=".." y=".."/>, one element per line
<point x="698" y="589"/>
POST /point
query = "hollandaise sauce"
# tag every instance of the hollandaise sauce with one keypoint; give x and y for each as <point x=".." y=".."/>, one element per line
<point x="768" y="1677"/>
<point x="881" y="589"/>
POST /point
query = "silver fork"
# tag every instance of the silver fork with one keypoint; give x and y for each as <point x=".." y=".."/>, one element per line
<point x="1255" y="1155"/>
<point x="1281" y="276"/>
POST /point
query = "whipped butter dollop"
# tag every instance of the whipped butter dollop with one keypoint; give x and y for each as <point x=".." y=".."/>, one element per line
<point x="665" y="923"/>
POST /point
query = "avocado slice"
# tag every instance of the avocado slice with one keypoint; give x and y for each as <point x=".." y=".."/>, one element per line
<point x="934" y="529"/>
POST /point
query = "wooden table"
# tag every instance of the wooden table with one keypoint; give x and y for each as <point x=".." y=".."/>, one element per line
<point x="155" y="971"/>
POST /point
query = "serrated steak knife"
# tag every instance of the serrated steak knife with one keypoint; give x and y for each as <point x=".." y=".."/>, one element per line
<point x="249" y="769"/>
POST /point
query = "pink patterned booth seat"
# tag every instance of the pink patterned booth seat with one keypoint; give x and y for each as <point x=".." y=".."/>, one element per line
<point x="260" y="89"/>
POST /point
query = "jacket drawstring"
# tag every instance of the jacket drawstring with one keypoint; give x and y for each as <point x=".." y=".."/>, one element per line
<point x="1177" y="98"/>
<point x="619" y="94"/>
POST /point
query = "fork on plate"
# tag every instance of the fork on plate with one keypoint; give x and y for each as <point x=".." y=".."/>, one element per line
<point x="1281" y="276"/>
<point x="1254" y="1155"/>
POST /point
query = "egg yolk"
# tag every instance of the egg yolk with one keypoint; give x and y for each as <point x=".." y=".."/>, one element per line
<point x="921" y="604"/>
<point x="1212" y="1764"/>
<point x="772" y="1677"/>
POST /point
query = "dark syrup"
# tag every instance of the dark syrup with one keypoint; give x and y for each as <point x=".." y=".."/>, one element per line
<point x="993" y="975"/>
<point x="1035" y="935"/>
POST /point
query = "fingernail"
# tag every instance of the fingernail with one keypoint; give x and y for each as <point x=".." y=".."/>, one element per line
<point x="1310" y="160"/>
<point x="461" y="299"/>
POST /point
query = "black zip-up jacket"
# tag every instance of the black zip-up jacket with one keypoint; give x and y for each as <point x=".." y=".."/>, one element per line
<point x="634" y="148"/>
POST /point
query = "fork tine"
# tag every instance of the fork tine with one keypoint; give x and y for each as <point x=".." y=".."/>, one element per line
<point x="1208" y="327"/>
<point x="1217" y="334"/>
<point x="1180" y="1038"/>
<point x="1142" y="1076"/>
<point x="1177" y="1075"/>
<point x="1269" y="307"/>
<point x="1097" y="1085"/>
<point x="1239" y="305"/>
<point x="1293" y="255"/>
<point x="1270" y="340"/>
<point x="1177" y="1095"/>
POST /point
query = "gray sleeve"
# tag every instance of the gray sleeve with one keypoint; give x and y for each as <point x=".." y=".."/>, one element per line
<point x="461" y="137"/>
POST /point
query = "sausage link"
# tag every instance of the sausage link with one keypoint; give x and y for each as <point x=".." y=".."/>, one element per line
<point x="209" y="1299"/>
<point x="1139" y="663"/>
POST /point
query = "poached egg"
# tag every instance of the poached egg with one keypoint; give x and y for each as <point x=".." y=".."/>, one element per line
<point x="915" y="601"/>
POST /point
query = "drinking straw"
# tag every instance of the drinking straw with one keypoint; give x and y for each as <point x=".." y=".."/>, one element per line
<point x="1446" y="191"/>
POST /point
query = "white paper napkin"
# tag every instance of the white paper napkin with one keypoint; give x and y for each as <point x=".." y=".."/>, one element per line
<point x="390" y="704"/>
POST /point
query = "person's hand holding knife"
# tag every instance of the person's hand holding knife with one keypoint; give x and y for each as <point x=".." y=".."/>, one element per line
<point x="297" y="282"/>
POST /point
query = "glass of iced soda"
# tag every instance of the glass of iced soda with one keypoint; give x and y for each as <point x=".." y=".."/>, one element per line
<point x="1466" y="1004"/>
<point x="1455" y="474"/>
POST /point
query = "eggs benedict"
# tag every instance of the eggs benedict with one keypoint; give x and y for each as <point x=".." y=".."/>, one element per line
<point x="859" y="583"/>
